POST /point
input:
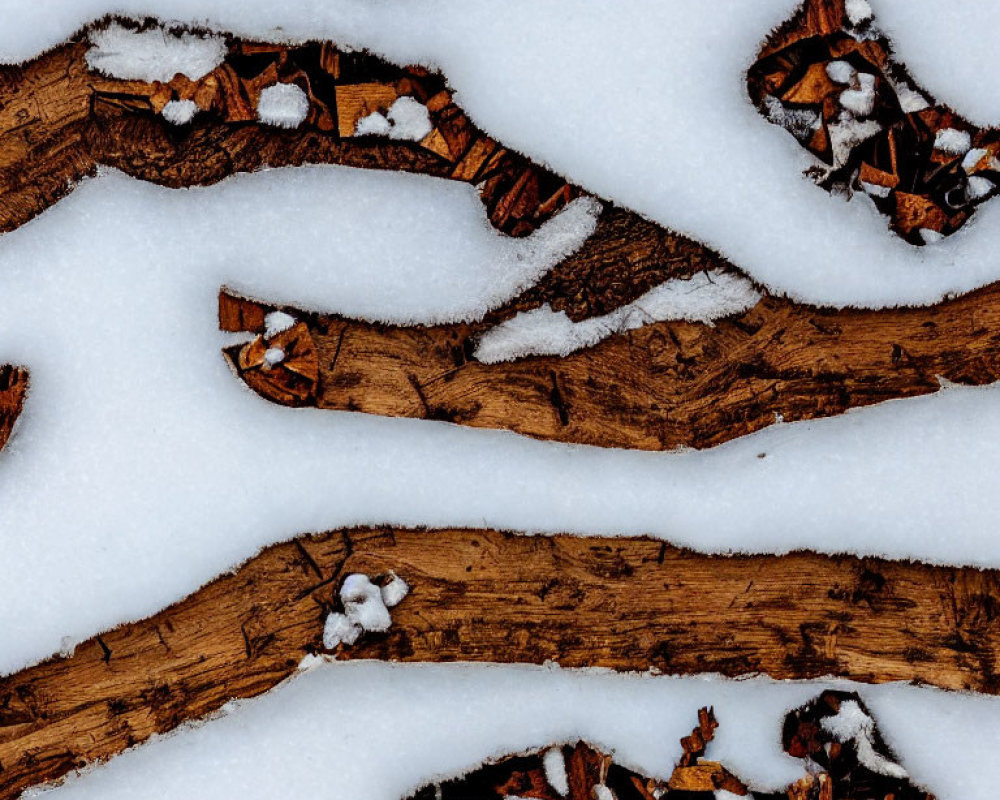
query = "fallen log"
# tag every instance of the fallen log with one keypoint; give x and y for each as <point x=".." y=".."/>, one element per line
<point x="487" y="596"/>
<point x="668" y="384"/>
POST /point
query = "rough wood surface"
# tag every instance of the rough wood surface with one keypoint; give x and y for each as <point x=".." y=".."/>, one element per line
<point x="665" y="385"/>
<point x="485" y="596"/>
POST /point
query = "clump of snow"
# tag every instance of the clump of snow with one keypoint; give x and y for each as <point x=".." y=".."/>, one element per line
<point x="952" y="141"/>
<point x="931" y="236"/>
<point x="366" y="608"/>
<point x="979" y="187"/>
<point x="554" y="763"/>
<point x="442" y="721"/>
<point x="860" y="101"/>
<point x="910" y="100"/>
<point x="156" y="54"/>
<point x="847" y="133"/>
<point x="374" y="124"/>
<point x="407" y="118"/>
<point x="394" y="591"/>
<point x="841" y="72"/>
<point x="277" y="322"/>
<point x="179" y="112"/>
<point x="284" y="105"/>
<point x="800" y="122"/>
<point x="857" y="11"/>
<point x="602" y="792"/>
<point x="363" y="603"/>
<point x="274" y="356"/>
<point x="338" y="629"/>
<point x="852" y="724"/>
<point x="703" y="297"/>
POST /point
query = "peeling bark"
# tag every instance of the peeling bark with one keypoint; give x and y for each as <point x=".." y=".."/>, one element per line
<point x="486" y="596"/>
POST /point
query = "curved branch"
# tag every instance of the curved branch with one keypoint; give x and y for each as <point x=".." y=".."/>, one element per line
<point x="487" y="596"/>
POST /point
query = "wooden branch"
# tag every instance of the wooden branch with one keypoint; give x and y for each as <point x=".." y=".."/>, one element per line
<point x="665" y="385"/>
<point x="486" y="596"/>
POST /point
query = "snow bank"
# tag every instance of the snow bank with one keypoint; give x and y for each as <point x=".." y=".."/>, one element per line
<point x="142" y="468"/>
<point x="703" y="297"/>
<point x="380" y="731"/>
<point x="674" y="136"/>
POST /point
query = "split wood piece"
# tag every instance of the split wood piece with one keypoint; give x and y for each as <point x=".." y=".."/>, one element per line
<point x="13" y="388"/>
<point x="59" y="120"/>
<point x="666" y="385"/>
<point x="487" y="596"/>
<point x="827" y="77"/>
<point x="844" y="763"/>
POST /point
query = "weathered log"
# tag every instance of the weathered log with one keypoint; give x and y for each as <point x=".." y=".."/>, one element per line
<point x="485" y="596"/>
<point x="666" y="385"/>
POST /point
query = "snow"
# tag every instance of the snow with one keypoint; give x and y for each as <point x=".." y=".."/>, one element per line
<point x="380" y="731"/>
<point x="979" y="187"/>
<point x="861" y="101"/>
<point x="156" y="54"/>
<point x="283" y="105"/>
<point x="276" y="322"/>
<point x="179" y="112"/>
<point x="394" y="591"/>
<point x="338" y="629"/>
<point x="858" y="11"/>
<point x="274" y="355"/>
<point x="952" y="141"/>
<point x="138" y="475"/>
<point x="554" y="763"/>
<point x="363" y="604"/>
<point x="703" y="297"/>
<point x="841" y="72"/>
<point x="406" y="118"/>
<point x="374" y="124"/>
<point x="852" y="724"/>
<point x="602" y="792"/>
<point x="788" y="234"/>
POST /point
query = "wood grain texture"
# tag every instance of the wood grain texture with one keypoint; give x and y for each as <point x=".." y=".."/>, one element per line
<point x="666" y="385"/>
<point x="487" y="596"/>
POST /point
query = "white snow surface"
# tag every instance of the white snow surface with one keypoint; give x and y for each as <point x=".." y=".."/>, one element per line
<point x="157" y="54"/>
<point x="141" y="467"/>
<point x="703" y="297"/>
<point x="380" y="731"/>
<point x="699" y="157"/>
<point x="283" y="105"/>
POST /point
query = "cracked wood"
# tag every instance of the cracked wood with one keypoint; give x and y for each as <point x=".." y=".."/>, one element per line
<point x="487" y="596"/>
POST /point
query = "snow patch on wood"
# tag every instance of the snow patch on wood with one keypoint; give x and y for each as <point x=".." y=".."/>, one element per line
<point x="156" y="54"/>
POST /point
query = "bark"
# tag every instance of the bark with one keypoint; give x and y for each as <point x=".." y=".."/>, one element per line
<point x="487" y="596"/>
<point x="666" y="385"/>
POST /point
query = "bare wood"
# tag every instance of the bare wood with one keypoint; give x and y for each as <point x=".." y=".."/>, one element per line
<point x="486" y="596"/>
<point x="665" y="385"/>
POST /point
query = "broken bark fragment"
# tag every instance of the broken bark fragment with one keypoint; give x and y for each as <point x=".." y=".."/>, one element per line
<point x="839" y="771"/>
<point x="829" y="79"/>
